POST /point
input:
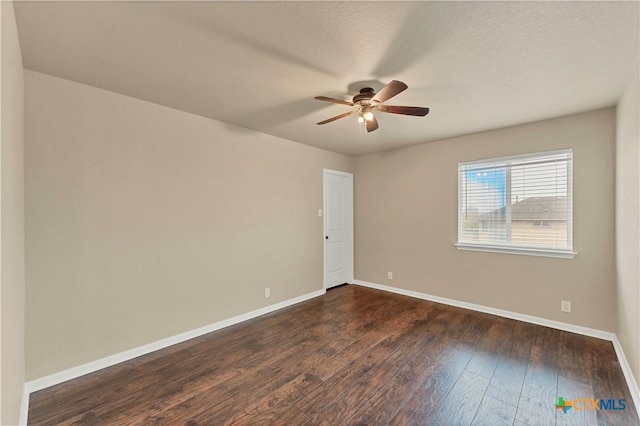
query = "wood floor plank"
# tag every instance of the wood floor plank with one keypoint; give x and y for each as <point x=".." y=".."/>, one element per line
<point x="382" y="407"/>
<point x="353" y="356"/>
<point x="465" y="398"/>
<point x="483" y="364"/>
<point x="220" y="411"/>
<point x="508" y="377"/>
<point x="539" y="390"/>
<point x="539" y="393"/>
<point x="408" y="347"/>
<point x="267" y="409"/>
<point x="292" y="416"/>
<point x="335" y="386"/>
<point x="507" y="380"/>
<point x="607" y="382"/>
<point x="175" y="410"/>
<point x="493" y="412"/>
<point x="425" y="401"/>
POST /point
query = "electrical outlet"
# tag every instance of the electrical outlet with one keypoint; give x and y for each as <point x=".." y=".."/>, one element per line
<point x="267" y="292"/>
<point x="565" y="306"/>
<point x="389" y="275"/>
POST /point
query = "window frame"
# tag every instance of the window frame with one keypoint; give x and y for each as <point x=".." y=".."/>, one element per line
<point x="568" y="253"/>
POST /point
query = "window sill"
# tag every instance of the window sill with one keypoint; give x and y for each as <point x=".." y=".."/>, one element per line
<point x="518" y="250"/>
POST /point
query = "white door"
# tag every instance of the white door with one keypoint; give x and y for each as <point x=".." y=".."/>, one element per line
<point x="338" y="228"/>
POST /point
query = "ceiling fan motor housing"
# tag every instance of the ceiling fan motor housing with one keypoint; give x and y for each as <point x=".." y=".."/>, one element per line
<point x="364" y="97"/>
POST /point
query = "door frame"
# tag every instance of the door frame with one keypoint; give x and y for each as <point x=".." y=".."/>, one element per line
<point x="349" y="211"/>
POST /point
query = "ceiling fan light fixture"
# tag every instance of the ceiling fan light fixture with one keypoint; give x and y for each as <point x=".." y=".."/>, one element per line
<point x="368" y="115"/>
<point x="360" y="119"/>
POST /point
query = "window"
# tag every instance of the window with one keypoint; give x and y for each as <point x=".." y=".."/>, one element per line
<point x="520" y="204"/>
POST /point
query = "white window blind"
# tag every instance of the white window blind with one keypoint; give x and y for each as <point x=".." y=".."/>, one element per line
<point x="521" y="202"/>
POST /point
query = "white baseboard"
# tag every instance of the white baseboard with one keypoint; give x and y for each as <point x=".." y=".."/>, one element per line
<point x="90" y="367"/>
<point x="24" y="406"/>
<point x="628" y="375"/>
<point x="591" y="332"/>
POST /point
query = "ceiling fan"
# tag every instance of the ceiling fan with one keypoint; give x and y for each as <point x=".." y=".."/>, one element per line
<point x="368" y="100"/>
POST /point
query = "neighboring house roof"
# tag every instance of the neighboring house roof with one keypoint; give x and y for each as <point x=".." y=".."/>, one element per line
<point x="533" y="208"/>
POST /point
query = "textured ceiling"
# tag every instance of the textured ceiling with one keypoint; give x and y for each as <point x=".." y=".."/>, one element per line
<point x="477" y="65"/>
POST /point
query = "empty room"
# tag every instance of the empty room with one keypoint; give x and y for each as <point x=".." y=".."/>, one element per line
<point x="319" y="213"/>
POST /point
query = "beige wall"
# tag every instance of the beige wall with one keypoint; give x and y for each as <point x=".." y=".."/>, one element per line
<point x="144" y="222"/>
<point x="12" y="288"/>
<point x="627" y="224"/>
<point x="406" y="223"/>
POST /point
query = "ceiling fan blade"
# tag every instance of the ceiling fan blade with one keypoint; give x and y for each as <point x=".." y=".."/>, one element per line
<point x="389" y="91"/>
<point x="335" y="101"/>
<point x="371" y="124"/>
<point x="337" y="117"/>
<point x="406" y="110"/>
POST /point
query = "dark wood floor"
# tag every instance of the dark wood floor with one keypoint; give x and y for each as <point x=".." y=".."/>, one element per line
<point x="353" y="356"/>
